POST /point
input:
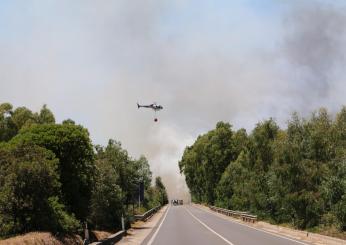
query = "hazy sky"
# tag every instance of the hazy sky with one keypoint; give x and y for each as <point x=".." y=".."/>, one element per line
<point x="204" y="61"/>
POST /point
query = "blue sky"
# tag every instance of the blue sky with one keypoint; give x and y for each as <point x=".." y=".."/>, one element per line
<point x="204" y="61"/>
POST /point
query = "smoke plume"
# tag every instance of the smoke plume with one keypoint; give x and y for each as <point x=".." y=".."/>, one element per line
<point x="202" y="61"/>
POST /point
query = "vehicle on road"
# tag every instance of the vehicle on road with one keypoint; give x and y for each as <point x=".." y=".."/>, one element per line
<point x="177" y="202"/>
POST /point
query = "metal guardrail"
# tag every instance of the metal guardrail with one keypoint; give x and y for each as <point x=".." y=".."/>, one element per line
<point x="119" y="235"/>
<point x="147" y="215"/>
<point x="245" y="216"/>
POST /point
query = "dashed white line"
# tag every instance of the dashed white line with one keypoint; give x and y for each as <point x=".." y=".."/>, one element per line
<point x="210" y="229"/>
<point x="158" y="228"/>
<point x="270" y="233"/>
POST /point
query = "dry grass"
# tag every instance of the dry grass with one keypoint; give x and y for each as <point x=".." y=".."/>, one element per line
<point x="333" y="232"/>
<point x="99" y="235"/>
<point x="137" y="224"/>
<point x="41" y="238"/>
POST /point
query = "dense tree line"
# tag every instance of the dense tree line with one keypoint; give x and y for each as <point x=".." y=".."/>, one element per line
<point x="53" y="179"/>
<point x="117" y="185"/>
<point x="295" y="175"/>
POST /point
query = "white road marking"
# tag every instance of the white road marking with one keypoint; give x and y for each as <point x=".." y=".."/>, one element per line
<point x="158" y="228"/>
<point x="270" y="233"/>
<point x="210" y="229"/>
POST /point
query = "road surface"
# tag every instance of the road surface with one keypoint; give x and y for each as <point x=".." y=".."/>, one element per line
<point x="193" y="226"/>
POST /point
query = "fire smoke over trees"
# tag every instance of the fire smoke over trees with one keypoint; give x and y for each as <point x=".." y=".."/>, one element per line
<point x="204" y="62"/>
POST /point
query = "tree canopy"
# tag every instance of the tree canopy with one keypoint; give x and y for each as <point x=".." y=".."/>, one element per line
<point x="52" y="178"/>
<point x="294" y="175"/>
<point x="72" y="146"/>
<point x="29" y="193"/>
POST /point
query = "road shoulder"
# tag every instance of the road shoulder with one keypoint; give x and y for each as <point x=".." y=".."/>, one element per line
<point x="141" y="230"/>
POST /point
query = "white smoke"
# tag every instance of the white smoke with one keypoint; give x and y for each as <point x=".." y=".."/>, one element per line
<point x="93" y="62"/>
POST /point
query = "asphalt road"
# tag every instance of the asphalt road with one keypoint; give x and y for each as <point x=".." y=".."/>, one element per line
<point x="193" y="226"/>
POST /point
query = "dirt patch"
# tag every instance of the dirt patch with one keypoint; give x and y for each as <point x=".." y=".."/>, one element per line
<point x="42" y="238"/>
<point x="100" y="235"/>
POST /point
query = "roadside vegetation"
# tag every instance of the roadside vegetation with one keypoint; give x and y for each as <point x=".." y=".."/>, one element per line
<point x="294" y="176"/>
<point x="53" y="179"/>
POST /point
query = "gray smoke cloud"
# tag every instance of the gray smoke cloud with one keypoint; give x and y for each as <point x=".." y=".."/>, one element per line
<point x="204" y="63"/>
<point x="314" y="47"/>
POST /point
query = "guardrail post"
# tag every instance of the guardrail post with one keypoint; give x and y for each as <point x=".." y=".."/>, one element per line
<point x="86" y="235"/>
<point x="122" y="222"/>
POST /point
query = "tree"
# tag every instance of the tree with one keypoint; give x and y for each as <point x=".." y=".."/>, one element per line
<point x="333" y="193"/>
<point x="204" y="162"/>
<point x="29" y="188"/>
<point x="142" y="167"/>
<point x="46" y="116"/>
<point x="12" y="121"/>
<point x="117" y="184"/>
<point x="294" y="175"/>
<point x="233" y="191"/>
<point x="161" y="191"/>
<point x="130" y="172"/>
<point x="72" y="146"/>
<point x="50" y="177"/>
<point x="261" y="154"/>
<point x="107" y="199"/>
<point x="23" y="117"/>
<point x="8" y="128"/>
<point x="69" y="121"/>
<point x="119" y="159"/>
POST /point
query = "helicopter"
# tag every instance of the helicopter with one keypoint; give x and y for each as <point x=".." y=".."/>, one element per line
<point x="153" y="106"/>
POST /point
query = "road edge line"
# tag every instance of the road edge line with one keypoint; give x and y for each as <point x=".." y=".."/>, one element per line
<point x="158" y="228"/>
<point x="268" y="232"/>
<point x="210" y="229"/>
